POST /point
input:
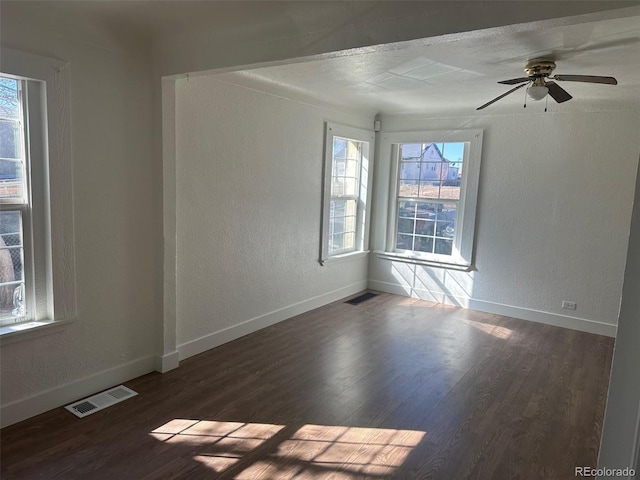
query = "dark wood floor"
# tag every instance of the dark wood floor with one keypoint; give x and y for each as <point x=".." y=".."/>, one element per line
<point x="391" y="388"/>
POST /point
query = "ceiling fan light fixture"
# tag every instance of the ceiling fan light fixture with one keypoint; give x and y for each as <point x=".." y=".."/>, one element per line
<point x="537" y="92"/>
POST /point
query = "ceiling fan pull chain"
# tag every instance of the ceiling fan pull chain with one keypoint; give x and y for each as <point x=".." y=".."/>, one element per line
<point x="525" y="98"/>
<point x="546" y="102"/>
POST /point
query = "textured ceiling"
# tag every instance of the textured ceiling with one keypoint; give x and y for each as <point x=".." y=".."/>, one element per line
<point x="432" y="76"/>
<point x="455" y="77"/>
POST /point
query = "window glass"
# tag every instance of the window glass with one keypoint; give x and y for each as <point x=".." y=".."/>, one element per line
<point x="12" y="291"/>
<point x="14" y="203"/>
<point x="429" y="182"/>
<point x="11" y="140"/>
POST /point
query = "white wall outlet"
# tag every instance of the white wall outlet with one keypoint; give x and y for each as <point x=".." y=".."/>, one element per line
<point x="569" y="305"/>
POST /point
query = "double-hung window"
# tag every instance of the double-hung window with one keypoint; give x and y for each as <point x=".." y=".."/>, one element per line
<point x="16" y="265"/>
<point x="432" y="196"/>
<point x="37" y="275"/>
<point x="348" y="162"/>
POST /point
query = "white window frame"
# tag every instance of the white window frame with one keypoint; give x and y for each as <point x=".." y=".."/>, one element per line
<point x="463" y="241"/>
<point x="367" y="138"/>
<point x="52" y="234"/>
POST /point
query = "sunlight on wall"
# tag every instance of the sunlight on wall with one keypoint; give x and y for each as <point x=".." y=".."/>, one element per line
<point x="284" y="452"/>
<point x="434" y="284"/>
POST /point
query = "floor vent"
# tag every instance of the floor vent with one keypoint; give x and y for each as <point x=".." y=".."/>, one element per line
<point x="90" y="405"/>
<point x="362" y="298"/>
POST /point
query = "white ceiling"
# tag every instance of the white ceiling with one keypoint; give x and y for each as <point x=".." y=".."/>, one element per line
<point x="457" y="76"/>
<point x="432" y="76"/>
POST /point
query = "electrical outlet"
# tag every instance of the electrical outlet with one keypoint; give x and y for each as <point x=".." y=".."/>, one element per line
<point x="569" y="305"/>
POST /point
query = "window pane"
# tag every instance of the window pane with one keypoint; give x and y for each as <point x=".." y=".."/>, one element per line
<point x="336" y="225"/>
<point x="409" y="170"/>
<point x="354" y="149"/>
<point x="430" y="189"/>
<point x="424" y="244"/>
<point x="338" y="208"/>
<point x="349" y="241"/>
<point x="426" y="210"/>
<point x="426" y="227"/>
<point x="339" y="148"/>
<point x="350" y="186"/>
<point x="450" y="190"/>
<point x="12" y="302"/>
<point x="407" y="209"/>
<point x="444" y="247"/>
<point x="408" y="188"/>
<point x="404" y="242"/>
<point x="342" y="225"/>
<point x="405" y="225"/>
<point x="431" y="171"/>
<point x="10" y="139"/>
<point x="336" y="242"/>
<point x="9" y="98"/>
<point x="447" y="211"/>
<point x="11" y="149"/>
<point x="11" y="184"/>
<point x="350" y="223"/>
<point x="445" y="229"/>
<point x="410" y="151"/>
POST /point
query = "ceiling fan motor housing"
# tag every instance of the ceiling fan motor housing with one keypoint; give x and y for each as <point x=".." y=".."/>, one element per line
<point x="539" y="67"/>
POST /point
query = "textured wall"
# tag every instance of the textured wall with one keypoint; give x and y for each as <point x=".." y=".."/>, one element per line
<point x="621" y="433"/>
<point x="249" y="178"/>
<point x="113" y="205"/>
<point x="555" y="200"/>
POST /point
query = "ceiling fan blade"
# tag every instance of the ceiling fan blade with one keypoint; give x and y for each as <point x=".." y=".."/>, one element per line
<point x="586" y="78"/>
<point x="515" y="81"/>
<point x="558" y="93"/>
<point x="501" y="96"/>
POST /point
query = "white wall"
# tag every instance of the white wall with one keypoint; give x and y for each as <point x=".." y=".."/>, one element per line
<point x="114" y="213"/>
<point x="249" y="183"/>
<point x="555" y="199"/>
<point x="621" y="430"/>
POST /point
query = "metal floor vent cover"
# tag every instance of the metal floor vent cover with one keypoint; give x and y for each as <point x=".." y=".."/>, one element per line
<point x="362" y="298"/>
<point x="100" y="401"/>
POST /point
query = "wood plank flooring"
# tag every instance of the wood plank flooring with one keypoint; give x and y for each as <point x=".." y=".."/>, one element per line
<point x="393" y="388"/>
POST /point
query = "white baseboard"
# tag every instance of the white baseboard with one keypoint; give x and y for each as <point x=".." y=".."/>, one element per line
<point x="207" y="342"/>
<point x="169" y="361"/>
<point x="565" y="321"/>
<point x="19" y="410"/>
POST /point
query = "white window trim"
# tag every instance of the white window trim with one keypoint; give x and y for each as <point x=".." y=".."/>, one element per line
<point x="58" y="222"/>
<point x="462" y="258"/>
<point x="366" y="177"/>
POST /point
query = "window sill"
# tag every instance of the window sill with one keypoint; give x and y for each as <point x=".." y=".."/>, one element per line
<point x="28" y="330"/>
<point x="398" y="257"/>
<point x="344" y="256"/>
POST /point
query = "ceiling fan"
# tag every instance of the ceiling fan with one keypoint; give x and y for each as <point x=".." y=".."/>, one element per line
<point x="537" y="81"/>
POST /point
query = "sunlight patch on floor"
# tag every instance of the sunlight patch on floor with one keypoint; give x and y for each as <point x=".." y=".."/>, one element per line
<point x="312" y="451"/>
<point x="493" y="330"/>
